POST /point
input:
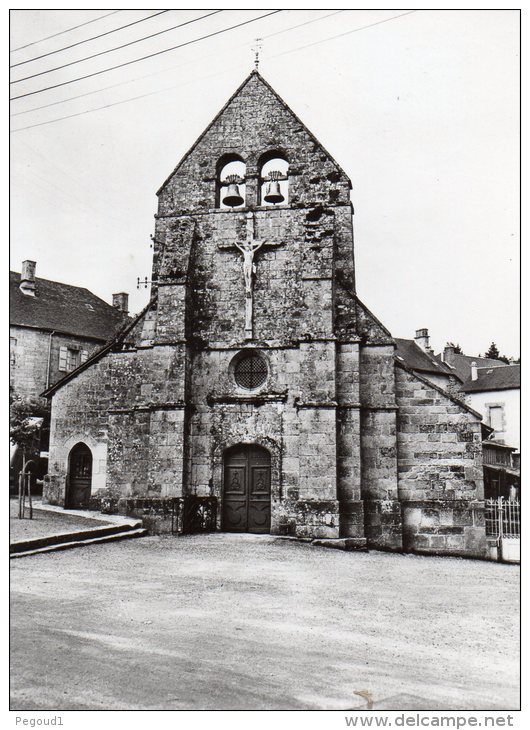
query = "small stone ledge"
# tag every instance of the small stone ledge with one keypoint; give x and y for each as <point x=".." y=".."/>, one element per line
<point x="175" y="406"/>
<point x="342" y="543"/>
<point x="315" y="404"/>
<point x="258" y="399"/>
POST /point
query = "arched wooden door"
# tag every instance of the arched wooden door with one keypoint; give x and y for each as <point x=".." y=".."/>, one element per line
<point x="79" y="477"/>
<point x="247" y="490"/>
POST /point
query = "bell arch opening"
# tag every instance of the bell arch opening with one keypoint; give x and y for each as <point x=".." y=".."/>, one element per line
<point x="273" y="179"/>
<point x="231" y="182"/>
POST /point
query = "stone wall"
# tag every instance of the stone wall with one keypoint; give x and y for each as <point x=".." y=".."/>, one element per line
<point x="440" y="470"/>
<point x="162" y="407"/>
<point x="32" y="358"/>
<point x="127" y="407"/>
<point x="254" y="122"/>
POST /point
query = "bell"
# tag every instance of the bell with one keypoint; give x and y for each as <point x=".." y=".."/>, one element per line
<point x="273" y="194"/>
<point x="232" y="197"/>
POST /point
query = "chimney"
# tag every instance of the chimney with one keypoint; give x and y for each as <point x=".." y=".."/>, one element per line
<point x="121" y="301"/>
<point x="422" y="339"/>
<point x="27" y="278"/>
<point x="449" y="354"/>
<point x="474" y="371"/>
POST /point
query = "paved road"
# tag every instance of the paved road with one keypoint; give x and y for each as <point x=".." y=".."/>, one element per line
<point x="249" y="622"/>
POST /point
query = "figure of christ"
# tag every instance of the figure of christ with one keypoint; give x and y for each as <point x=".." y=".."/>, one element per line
<point x="248" y="249"/>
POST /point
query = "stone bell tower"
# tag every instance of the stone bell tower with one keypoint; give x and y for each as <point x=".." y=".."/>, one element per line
<point x="253" y="235"/>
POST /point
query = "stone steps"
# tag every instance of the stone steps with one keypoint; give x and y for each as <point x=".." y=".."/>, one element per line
<point x="65" y="541"/>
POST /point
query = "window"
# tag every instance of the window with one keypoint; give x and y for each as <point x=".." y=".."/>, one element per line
<point x="70" y="358"/>
<point x="273" y="180"/>
<point x="250" y="371"/>
<point x="496" y="417"/>
<point x="231" y="186"/>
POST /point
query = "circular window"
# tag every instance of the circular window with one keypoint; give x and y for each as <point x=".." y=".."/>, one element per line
<point x="251" y="371"/>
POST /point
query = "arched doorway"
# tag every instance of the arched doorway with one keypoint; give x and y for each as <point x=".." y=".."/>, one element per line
<point x="247" y="489"/>
<point x="79" y="477"/>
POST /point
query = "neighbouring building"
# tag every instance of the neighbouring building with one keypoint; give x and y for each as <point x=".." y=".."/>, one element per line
<point x="53" y="328"/>
<point x="493" y="388"/>
<point x="495" y="392"/>
<point x="255" y="379"/>
<point x="419" y="357"/>
<point x="460" y="364"/>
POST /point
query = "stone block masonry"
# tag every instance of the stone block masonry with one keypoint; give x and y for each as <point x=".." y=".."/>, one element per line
<point x="440" y="477"/>
<point x="295" y="422"/>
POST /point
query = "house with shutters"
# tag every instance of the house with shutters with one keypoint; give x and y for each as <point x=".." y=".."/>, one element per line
<point x="53" y="328"/>
<point x="255" y="383"/>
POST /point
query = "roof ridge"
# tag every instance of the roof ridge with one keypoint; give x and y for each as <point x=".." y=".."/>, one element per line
<point x="63" y="283"/>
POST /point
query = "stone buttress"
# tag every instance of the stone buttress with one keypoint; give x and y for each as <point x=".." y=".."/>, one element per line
<point x="161" y="406"/>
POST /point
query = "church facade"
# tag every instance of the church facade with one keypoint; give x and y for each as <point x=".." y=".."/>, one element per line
<point x="255" y="376"/>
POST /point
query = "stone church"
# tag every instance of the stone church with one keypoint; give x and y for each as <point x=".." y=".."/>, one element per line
<point x="255" y="378"/>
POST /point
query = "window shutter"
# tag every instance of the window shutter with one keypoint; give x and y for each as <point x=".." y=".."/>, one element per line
<point x="84" y="355"/>
<point x="63" y="358"/>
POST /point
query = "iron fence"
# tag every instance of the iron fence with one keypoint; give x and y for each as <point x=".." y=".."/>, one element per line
<point x="503" y="518"/>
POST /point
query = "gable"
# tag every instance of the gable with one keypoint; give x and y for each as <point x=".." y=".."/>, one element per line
<point x="255" y="121"/>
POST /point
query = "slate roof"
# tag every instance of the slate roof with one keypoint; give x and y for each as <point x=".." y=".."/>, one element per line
<point x="417" y="359"/>
<point x="497" y="378"/>
<point x="62" y="308"/>
<point x="461" y="364"/>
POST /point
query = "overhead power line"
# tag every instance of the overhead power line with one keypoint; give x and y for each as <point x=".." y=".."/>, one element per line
<point x="87" y="40"/>
<point x="348" y="32"/>
<point x="170" y="68"/>
<point x="152" y="93"/>
<point x="117" y="48"/>
<point x="143" y="58"/>
<point x="62" y="32"/>
<point x="307" y="22"/>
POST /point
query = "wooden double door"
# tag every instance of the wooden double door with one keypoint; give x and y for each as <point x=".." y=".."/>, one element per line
<point x="247" y="490"/>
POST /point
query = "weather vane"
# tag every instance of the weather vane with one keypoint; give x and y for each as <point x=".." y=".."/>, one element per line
<point x="258" y="44"/>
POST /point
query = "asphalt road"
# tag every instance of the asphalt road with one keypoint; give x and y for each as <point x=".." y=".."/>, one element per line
<point x="248" y="622"/>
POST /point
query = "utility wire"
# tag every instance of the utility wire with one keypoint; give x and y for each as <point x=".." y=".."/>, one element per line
<point x="117" y="48"/>
<point x="150" y="55"/>
<point x="87" y="40"/>
<point x="34" y="43"/>
<point x="307" y="22"/>
<point x="340" y="35"/>
<point x="142" y="96"/>
<point x="171" y="68"/>
<point x="117" y="103"/>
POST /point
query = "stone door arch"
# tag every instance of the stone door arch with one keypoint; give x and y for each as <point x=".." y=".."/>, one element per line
<point x="79" y="481"/>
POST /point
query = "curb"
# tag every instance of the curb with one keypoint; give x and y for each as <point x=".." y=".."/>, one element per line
<point x="124" y="535"/>
<point x="59" y="541"/>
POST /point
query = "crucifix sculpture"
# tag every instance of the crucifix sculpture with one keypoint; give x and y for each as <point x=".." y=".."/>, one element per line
<point x="249" y="248"/>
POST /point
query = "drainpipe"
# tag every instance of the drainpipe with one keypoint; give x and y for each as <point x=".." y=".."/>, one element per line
<point x="49" y="359"/>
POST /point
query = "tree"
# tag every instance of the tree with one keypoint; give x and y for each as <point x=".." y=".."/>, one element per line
<point x="26" y="416"/>
<point x="493" y="352"/>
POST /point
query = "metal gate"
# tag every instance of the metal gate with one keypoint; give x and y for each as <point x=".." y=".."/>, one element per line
<point x="503" y="518"/>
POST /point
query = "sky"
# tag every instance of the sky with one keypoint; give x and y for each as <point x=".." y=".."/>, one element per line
<point x="421" y="109"/>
